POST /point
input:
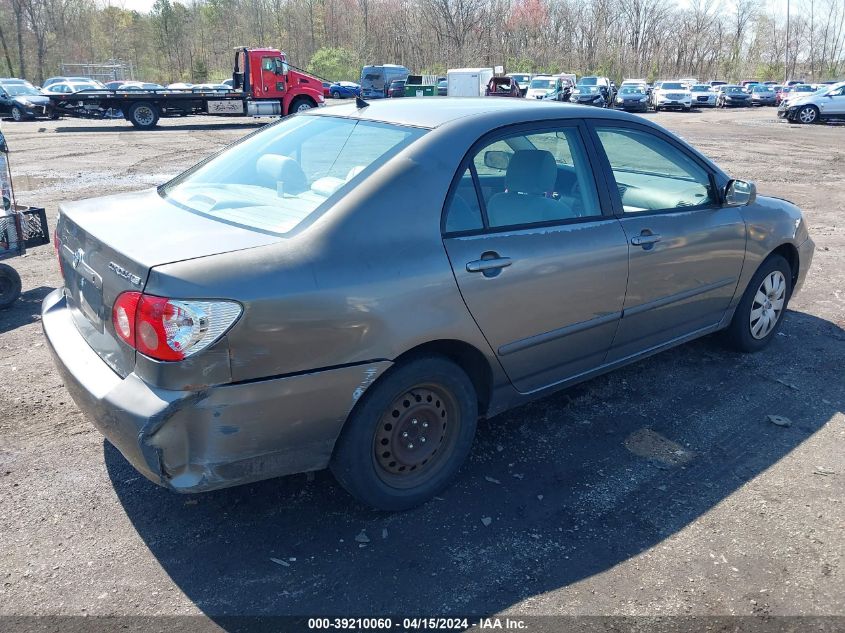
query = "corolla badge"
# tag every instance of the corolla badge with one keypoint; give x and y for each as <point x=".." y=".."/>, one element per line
<point x="120" y="271"/>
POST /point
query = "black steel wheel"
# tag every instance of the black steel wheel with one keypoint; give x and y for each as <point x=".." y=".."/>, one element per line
<point x="408" y="436"/>
<point x="10" y="286"/>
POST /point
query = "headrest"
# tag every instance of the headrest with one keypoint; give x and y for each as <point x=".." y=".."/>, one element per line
<point x="277" y="168"/>
<point x="531" y="171"/>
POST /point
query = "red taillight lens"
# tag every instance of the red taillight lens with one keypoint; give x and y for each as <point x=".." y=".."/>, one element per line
<point x="123" y="316"/>
<point x="169" y="329"/>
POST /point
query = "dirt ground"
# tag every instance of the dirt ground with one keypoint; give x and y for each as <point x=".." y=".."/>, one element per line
<point x="660" y="489"/>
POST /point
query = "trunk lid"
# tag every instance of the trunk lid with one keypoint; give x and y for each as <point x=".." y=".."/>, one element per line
<point x="108" y="246"/>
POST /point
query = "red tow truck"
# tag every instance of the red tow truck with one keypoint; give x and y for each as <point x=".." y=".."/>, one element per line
<point x="263" y="84"/>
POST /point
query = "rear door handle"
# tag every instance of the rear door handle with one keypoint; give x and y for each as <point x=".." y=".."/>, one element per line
<point x="482" y="265"/>
<point x="643" y="240"/>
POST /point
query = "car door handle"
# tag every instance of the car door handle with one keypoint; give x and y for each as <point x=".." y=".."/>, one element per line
<point x="482" y="265"/>
<point x="644" y="240"/>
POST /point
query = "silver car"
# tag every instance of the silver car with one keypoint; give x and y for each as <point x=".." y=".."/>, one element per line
<point x="353" y="287"/>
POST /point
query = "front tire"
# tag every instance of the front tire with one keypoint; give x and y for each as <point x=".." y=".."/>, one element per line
<point x="18" y="114"/>
<point x="409" y="435"/>
<point x="300" y="104"/>
<point x="759" y="315"/>
<point x="808" y="114"/>
<point x="10" y="286"/>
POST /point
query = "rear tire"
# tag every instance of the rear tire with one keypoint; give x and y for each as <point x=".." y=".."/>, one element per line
<point x="335" y="94"/>
<point x="143" y="116"/>
<point x="409" y="435"/>
<point x="759" y="315"/>
<point x="10" y="286"/>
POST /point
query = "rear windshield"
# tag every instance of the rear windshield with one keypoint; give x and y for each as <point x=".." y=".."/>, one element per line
<point x="276" y="178"/>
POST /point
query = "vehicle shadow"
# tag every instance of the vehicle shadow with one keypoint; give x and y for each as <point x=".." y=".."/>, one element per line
<point x="125" y="126"/>
<point x="27" y="309"/>
<point x="572" y="484"/>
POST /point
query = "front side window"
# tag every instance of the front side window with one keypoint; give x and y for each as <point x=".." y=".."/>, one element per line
<point x="530" y="178"/>
<point x="651" y="173"/>
<point x="278" y="177"/>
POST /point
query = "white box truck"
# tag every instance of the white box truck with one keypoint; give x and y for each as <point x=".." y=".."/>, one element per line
<point x="467" y="82"/>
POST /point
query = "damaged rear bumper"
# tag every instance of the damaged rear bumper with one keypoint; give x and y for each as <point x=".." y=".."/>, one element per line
<point x="220" y="436"/>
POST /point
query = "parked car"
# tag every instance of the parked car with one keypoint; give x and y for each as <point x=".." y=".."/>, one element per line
<point x="671" y="95"/>
<point x="632" y="98"/>
<point x="327" y="88"/>
<point x="522" y="79"/>
<point x="716" y="84"/>
<point x="606" y="87"/>
<point x="375" y="80"/>
<point x="561" y="89"/>
<point x="229" y="82"/>
<point x="798" y="91"/>
<point x="396" y="328"/>
<point x="502" y="87"/>
<point x="442" y="87"/>
<point x="21" y="100"/>
<point x="114" y="85"/>
<point x="591" y="95"/>
<point x="144" y="86"/>
<point x="397" y="88"/>
<point x="782" y="94"/>
<point x="703" y="95"/>
<point x="763" y="95"/>
<point x="208" y="87"/>
<point x="74" y="80"/>
<point x="539" y="86"/>
<point x="732" y="96"/>
<point x="68" y="87"/>
<point x="825" y="104"/>
<point x="345" y="90"/>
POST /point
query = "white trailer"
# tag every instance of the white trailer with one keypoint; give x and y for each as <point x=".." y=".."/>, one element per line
<point x="467" y="82"/>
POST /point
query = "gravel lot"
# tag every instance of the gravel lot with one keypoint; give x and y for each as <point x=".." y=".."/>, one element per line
<point x="660" y="489"/>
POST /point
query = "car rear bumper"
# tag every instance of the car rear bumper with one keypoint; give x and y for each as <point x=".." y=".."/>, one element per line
<point x="212" y="437"/>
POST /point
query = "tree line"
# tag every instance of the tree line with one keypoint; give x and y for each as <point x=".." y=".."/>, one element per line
<point x="195" y="40"/>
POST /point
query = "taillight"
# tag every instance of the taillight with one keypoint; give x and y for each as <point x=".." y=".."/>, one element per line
<point x="171" y="329"/>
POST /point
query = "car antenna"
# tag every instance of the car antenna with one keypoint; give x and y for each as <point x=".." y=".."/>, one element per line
<point x="360" y="103"/>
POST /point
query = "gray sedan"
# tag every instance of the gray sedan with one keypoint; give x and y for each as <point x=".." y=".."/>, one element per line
<point x="353" y="287"/>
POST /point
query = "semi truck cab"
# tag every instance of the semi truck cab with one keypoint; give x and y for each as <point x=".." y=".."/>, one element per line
<point x="271" y="86"/>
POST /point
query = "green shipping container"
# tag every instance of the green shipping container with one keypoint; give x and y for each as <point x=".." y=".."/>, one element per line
<point x="420" y="91"/>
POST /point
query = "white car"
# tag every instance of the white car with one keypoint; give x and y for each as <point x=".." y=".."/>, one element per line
<point x="540" y="85"/>
<point x="67" y="87"/>
<point x="672" y="95"/>
<point x="703" y="95"/>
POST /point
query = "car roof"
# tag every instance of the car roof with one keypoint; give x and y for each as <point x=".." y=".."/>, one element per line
<point x="431" y="113"/>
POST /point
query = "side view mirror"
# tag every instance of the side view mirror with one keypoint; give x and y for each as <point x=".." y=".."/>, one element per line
<point x="740" y="193"/>
<point x="496" y="159"/>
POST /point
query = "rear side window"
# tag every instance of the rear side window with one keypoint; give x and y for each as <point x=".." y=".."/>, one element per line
<point x="651" y="173"/>
<point x="275" y="179"/>
<point x="526" y="178"/>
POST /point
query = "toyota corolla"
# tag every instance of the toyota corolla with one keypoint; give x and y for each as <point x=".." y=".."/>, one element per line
<point x="273" y="310"/>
